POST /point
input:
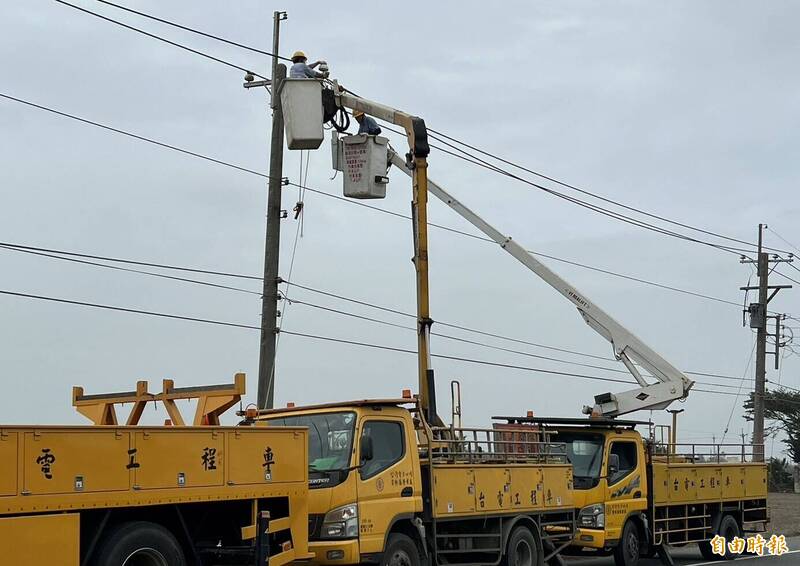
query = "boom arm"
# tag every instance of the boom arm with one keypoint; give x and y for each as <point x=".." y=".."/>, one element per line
<point x="671" y="383"/>
<point x="417" y="169"/>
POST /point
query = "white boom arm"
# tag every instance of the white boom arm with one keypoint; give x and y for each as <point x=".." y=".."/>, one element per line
<point x="671" y="383"/>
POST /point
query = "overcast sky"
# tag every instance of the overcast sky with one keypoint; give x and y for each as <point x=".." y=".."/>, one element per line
<point x="684" y="109"/>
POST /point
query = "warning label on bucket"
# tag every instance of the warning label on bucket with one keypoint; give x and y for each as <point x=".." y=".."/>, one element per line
<point x="355" y="158"/>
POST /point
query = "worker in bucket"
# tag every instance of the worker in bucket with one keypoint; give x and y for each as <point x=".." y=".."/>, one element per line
<point x="302" y="70"/>
<point x="366" y="124"/>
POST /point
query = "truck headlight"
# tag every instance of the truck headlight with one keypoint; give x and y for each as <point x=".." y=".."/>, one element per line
<point x="342" y="522"/>
<point x="593" y="516"/>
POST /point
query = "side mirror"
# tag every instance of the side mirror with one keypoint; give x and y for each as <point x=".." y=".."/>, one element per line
<point x="613" y="465"/>
<point x="366" y="449"/>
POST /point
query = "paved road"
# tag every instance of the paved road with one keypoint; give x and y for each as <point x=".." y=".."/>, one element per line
<point x="690" y="556"/>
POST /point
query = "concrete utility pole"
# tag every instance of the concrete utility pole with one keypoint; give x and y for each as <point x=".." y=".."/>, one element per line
<point x="269" y="297"/>
<point x="758" y="320"/>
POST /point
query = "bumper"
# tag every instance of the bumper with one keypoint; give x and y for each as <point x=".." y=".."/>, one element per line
<point x="334" y="552"/>
<point x="590" y="538"/>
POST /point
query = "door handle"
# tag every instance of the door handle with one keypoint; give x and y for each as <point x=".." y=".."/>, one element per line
<point x="407" y="492"/>
<point x="637" y="495"/>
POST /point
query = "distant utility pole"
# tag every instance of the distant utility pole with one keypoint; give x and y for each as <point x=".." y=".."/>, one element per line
<point x="758" y="319"/>
<point x="270" y="296"/>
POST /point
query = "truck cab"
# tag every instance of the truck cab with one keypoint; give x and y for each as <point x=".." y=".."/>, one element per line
<point x="388" y="487"/>
<point x="609" y="462"/>
<point x="364" y="475"/>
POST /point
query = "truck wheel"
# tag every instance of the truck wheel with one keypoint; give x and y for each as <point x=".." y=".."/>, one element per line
<point x="400" y="551"/>
<point x="522" y="549"/>
<point x="629" y="547"/>
<point x="139" y="543"/>
<point x="728" y="529"/>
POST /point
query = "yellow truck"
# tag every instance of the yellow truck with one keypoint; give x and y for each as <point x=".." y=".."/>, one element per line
<point x="388" y="487"/>
<point x="635" y="497"/>
<point x="126" y="495"/>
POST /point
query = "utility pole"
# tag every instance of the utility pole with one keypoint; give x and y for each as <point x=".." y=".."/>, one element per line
<point x="758" y="320"/>
<point x="269" y="295"/>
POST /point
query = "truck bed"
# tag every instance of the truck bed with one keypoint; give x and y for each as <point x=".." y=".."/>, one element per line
<point x="687" y="497"/>
<point x="45" y="469"/>
<point x="687" y="482"/>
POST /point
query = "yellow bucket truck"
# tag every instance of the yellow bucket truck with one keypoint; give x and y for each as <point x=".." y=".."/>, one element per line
<point x="389" y="487"/>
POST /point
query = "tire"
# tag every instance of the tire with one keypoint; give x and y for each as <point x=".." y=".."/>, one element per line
<point x="627" y="551"/>
<point x="521" y="549"/>
<point x="139" y="543"/>
<point x="728" y="529"/>
<point x="401" y="551"/>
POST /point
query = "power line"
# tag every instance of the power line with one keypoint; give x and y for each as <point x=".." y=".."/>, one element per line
<point x="135" y="136"/>
<point x="129" y="270"/>
<point x="128" y="310"/>
<point x="354" y="202"/>
<point x="736" y="400"/>
<point x="477" y="343"/>
<point x="785" y="241"/>
<point x="193" y="30"/>
<point x="49" y="253"/>
<point x="159" y="38"/>
<point x="594" y="195"/>
<point x="474" y="160"/>
<point x="476" y="361"/>
<point x="20" y="247"/>
<point x="584" y="204"/>
<point x="318" y="337"/>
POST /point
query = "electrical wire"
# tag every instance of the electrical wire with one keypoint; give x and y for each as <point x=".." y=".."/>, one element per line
<point x="584" y="204"/>
<point x="193" y="30"/>
<point x="436" y="133"/>
<point x="736" y="400"/>
<point x="589" y="193"/>
<point x="439" y="135"/>
<point x="324" y="338"/>
<point x="128" y="310"/>
<point x="481" y="344"/>
<point x="595" y="208"/>
<point x="355" y="202"/>
<point x="30" y="250"/>
<point x="159" y="38"/>
<point x="134" y="136"/>
<point x="784" y="240"/>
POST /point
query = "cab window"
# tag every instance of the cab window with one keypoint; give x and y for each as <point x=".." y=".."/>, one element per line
<point x="387" y="447"/>
<point x="622" y="460"/>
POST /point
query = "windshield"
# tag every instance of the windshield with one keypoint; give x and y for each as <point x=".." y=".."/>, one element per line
<point x="330" y="438"/>
<point x="585" y="453"/>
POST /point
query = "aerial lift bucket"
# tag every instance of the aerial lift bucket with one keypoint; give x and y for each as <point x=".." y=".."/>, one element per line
<point x="301" y="100"/>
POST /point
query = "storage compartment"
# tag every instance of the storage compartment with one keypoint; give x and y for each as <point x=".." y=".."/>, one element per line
<point x="365" y="165"/>
<point x="41" y="539"/>
<point x="301" y="100"/>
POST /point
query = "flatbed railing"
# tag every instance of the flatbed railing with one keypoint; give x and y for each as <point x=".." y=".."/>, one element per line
<point x="490" y="445"/>
<point x="703" y="453"/>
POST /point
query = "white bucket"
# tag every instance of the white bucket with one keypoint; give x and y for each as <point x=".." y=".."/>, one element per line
<point x="301" y="100"/>
<point x="365" y="165"/>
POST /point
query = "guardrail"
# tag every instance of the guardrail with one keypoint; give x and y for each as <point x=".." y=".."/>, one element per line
<point x="491" y="445"/>
<point x="704" y="453"/>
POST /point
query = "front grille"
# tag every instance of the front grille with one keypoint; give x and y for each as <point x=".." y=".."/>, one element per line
<point x="315" y="525"/>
